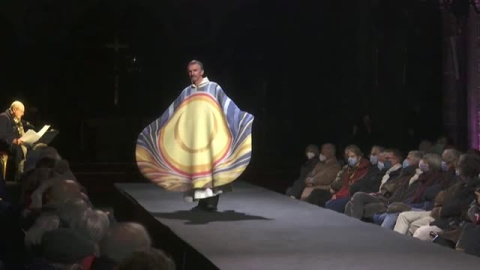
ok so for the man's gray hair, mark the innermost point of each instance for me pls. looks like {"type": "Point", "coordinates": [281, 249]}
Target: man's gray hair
{"type": "Point", "coordinates": [71, 211]}
{"type": "Point", "coordinates": [434, 161]}
{"type": "Point", "coordinates": [452, 155]}
{"type": "Point", "coordinates": [93, 225]}
{"type": "Point", "coordinates": [193, 62]}
{"type": "Point", "coordinates": [416, 155]}
{"type": "Point", "coordinates": [123, 239]}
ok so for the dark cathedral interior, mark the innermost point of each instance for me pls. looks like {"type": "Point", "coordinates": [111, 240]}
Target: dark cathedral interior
{"type": "Point", "coordinates": [358, 72]}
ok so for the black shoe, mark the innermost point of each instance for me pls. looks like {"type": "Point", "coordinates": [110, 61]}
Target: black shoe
{"type": "Point", "coordinates": [208, 204]}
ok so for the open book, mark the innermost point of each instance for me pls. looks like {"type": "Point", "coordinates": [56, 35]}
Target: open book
{"type": "Point", "coordinates": [31, 137]}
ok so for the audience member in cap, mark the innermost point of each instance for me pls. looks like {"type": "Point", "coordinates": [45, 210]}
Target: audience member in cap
{"type": "Point", "coordinates": [65, 248]}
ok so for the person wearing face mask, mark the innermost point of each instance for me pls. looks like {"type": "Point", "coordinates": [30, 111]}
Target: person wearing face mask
{"type": "Point", "coordinates": [369, 189]}
{"type": "Point", "coordinates": [450, 210]}
{"type": "Point", "coordinates": [375, 154]}
{"type": "Point", "coordinates": [411, 195]}
{"type": "Point", "coordinates": [356, 168]}
{"type": "Point", "coordinates": [408, 222]}
{"type": "Point", "coordinates": [323, 174]}
{"type": "Point", "coordinates": [450, 159]}
{"type": "Point", "coordinates": [388, 167]}
{"type": "Point", "coordinates": [374, 205]}
{"type": "Point", "coordinates": [312, 155]}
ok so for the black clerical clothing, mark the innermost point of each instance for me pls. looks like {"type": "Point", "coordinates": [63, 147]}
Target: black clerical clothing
{"type": "Point", "coordinates": [9, 130]}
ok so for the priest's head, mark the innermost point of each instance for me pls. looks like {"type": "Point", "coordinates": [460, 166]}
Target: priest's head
{"type": "Point", "coordinates": [195, 71]}
{"type": "Point", "coordinates": [17, 109]}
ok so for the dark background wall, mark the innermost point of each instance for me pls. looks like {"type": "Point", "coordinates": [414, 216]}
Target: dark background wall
{"type": "Point", "coordinates": [307, 70]}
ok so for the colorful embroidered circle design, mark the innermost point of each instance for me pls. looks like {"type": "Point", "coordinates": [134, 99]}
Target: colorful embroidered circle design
{"type": "Point", "coordinates": [196, 137]}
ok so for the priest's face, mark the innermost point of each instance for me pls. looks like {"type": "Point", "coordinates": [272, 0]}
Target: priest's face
{"type": "Point", "coordinates": [195, 72]}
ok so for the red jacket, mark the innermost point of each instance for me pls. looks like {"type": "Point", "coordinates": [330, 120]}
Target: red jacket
{"type": "Point", "coordinates": [352, 176]}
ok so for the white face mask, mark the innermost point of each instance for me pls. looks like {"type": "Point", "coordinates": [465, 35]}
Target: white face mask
{"type": "Point", "coordinates": [310, 155]}
{"type": "Point", "coordinates": [322, 157]}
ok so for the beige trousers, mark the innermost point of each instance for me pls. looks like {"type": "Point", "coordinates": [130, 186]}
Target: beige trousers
{"type": "Point", "coordinates": [408, 222]}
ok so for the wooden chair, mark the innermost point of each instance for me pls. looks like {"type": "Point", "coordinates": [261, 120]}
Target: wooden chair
{"type": "Point", "coordinates": [4, 159]}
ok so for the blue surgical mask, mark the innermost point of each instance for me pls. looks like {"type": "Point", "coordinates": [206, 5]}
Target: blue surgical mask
{"type": "Point", "coordinates": [373, 159]}
{"type": "Point", "coordinates": [388, 164]}
{"type": "Point", "coordinates": [405, 164]}
{"type": "Point", "coordinates": [380, 165]}
{"type": "Point", "coordinates": [457, 172]}
{"type": "Point", "coordinates": [444, 166]}
{"type": "Point", "coordinates": [352, 161]}
{"type": "Point", "coordinates": [322, 157]}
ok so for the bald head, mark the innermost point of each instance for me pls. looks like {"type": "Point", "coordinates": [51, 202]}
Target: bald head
{"type": "Point", "coordinates": [18, 109]}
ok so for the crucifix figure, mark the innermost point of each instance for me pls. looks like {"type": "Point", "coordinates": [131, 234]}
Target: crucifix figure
{"type": "Point", "coordinates": [116, 46]}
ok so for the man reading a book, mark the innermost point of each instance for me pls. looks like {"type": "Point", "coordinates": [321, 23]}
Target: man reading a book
{"type": "Point", "coordinates": [11, 130]}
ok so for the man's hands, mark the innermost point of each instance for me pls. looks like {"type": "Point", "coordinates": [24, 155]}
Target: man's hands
{"type": "Point", "coordinates": [309, 182]}
{"type": "Point", "coordinates": [17, 141]}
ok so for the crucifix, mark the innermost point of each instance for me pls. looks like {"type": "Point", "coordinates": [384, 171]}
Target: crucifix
{"type": "Point", "coordinates": [116, 46]}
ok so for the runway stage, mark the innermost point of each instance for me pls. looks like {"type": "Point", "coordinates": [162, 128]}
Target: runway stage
{"type": "Point", "coordinates": [259, 229]}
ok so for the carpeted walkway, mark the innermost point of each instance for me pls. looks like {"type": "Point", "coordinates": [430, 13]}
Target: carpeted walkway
{"type": "Point", "coordinates": [259, 229]}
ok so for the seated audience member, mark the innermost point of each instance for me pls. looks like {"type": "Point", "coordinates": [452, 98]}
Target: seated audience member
{"type": "Point", "coordinates": [324, 172]}
{"type": "Point", "coordinates": [376, 154]}
{"type": "Point", "coordinates": [149, 259]}
{"type": "Point", "coordinates": [52, 196]}
{"type": "Point", "coordinates": [64, 249]}
{"type": "Point", "coordinates": [356, 169]}
{"type": "Point", "coordinates": [320, 196]}
{"type": "Point", "coordinates": [440, 145]}
{"type": "Point", "coordinates": [66, 214]}
{"type": "Point", "coordinates": [371, 205]}
{"type": "Point", "coordinates": [47, 171]}
{"type": "Point", "coordinates": [450, 216]}
{"type": "Point", "coordinates": [436, 195]}
{"type": "Point", "coordinates": [121, 241]}
{"type": "Point", "coordinates": [390, 174]}
{"type": "Point", "coordinates": [410, 194]}
{"type": "Point", "coordinates": [375, 171]}
{"type": "Point", "coordinates": [41, 157]}
{"type": "Point", "coordinates": [377, 176]}
{"type": "Point", "coordinates": [450, 159]}
{"type": "Point", "coordinates": [425, 147]}
{"type": "Point", "coordinates": [470, 239]}
{"type": "Point", "coordinates": [93, 225]}
{"type": "Point", "coordinates": [56, 191]}
{"type": "Point", "coordinates": [311, 152]}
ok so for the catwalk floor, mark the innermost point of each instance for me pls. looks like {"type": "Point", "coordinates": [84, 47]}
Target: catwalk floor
{"type": "Point", "coordinates": [259, 229]}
